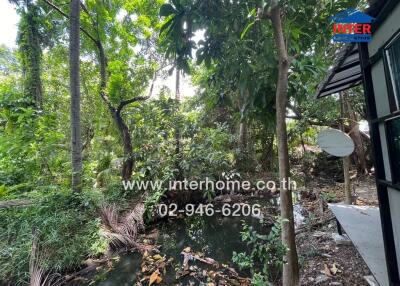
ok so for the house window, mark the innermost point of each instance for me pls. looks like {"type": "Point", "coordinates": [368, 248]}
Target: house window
{"type": "Point", "coordinates": [393, 137]}
{"type": "Point", "coordinates": [393, 62]}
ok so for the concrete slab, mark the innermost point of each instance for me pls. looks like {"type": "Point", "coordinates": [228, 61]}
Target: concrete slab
{"type": "Point", "coordinates": [371, 280]}
{"type": "Point", "coordinates": [341, 239]}
{"type": "Point", "coordinates": [363, 226]}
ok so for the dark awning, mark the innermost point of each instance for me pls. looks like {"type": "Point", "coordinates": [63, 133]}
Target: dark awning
{"type": "Point", "coordinates": [346, 72]}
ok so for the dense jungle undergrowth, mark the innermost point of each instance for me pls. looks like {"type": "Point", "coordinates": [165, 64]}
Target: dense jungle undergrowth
{"type": "Point", "coordinates": [165, 91]}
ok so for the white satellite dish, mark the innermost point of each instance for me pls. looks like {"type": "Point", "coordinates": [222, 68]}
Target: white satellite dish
{"type": "Point", "coordinates": [335, 142]}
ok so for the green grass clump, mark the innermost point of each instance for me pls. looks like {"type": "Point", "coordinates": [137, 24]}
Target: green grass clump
{"type": "Point", "coordinates": [68, 228]}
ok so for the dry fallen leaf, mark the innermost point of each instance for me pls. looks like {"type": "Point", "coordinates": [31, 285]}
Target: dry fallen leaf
{"type": "Point", "coordinates": [334, 269]}
{"type": "Point", "coordinates": [327, 271]}
{"type": "Point", "coordinates": [155, 278]}
{"type": "Point", "coordinates": [187, 249]}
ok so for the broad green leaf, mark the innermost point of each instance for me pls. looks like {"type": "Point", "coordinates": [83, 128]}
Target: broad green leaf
{"type": "Point", "coordinates": [248, 27]}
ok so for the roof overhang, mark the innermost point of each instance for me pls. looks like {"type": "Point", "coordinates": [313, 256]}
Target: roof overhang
{"type": "Point", "coordinates": [346, 72]}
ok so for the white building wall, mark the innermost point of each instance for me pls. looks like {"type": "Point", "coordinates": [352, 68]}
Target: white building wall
{"type": "Point", "coordinates": [380, 91]}
{"type": "Point", "coordinates": [379, 38]}
{"type": "Point", "coordinates": [385, 31]}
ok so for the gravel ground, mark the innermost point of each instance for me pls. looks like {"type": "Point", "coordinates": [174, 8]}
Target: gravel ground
{"type": "Point", "coordinates": [318, 252]}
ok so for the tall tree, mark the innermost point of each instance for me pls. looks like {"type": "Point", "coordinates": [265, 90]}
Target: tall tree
{"type": "Point", "coordinates": [278, 47]}
{"type": "Point", "coordinates": [124, 73]}
{"type": "Point", "coordinates": [355, 134]}
{"type": "Point", "coordinates": [176, 36]}
{"type": "Point", "coordinates": [74, 48]}
{"type": "Point", "coordinates": [179, 175]}
{"type": "Point", "coordinates": [292, 41]}
{"type": "Point", "coordinates": [346, 160]}
{"type": "Point", "coordinates": [29, 43]}
{"type": "Point", "coordinates": [290, 268]}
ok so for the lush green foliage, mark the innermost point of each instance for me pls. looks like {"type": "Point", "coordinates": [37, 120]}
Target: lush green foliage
{"type": "Point", "coordinates": [227, 126]}
{"type": "Point", "coordinates": [67, 228]}
{"type": "Point", "coordinates": [265, 259]}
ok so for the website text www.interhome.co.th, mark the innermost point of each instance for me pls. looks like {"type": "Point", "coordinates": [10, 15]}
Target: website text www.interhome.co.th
{"type": "Point", "coordinates": [210, 185]}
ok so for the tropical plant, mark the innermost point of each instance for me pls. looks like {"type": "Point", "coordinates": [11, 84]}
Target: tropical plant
{"type": "Point", "coordinates": [266, 257]}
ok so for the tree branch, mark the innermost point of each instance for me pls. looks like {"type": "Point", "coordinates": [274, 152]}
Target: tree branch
{"type": "Point", "coordinates": [67, 16]}
{"type": "Point", "coordinates": [85, 9]}
{"type": "Point", "coordinates": [332, 124]}
{"type": "Point", "coordinates": [295, 110]}
{"type": "Point", "coordinates": [129, 101]}
{"type": "Point", "coordinates": [292, 58]}
{"type": "Point", "coordinates": [94, 23]}
{"type": "Point", "coordinates": [102, 60]}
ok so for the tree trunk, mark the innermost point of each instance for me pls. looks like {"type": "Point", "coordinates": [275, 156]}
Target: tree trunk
{"type": "Point", "coordinates": [177, 85]}
{"type": "Point", "coordinates": [347, 185]}
{"type": "Point", "coordinates": [243, 136]}
{"type": "Point", "coordinates": [359, 148]}
{"type": "Point", "coordinates": [177, 128]}
{"type": "Point", "coordinates": [290, 275]}
{"type": "Point", "coordinates": [76, 144]}
{"type": "Point", "coordinates": [242, 160]}
{"type": "Point", "coordinates": [243, 125]}
{"type": "Point", "coordinates": [356, 136]}
{"type": "Point", "coordinates": [346, 160]}
{"type": "Point", "coordinates": [127, 165]}
{"type": "Point", "coordinates": [115, 112]}
{"type": "Point", "coordinates": [31, 54]}
{"type": "Point", "coordinates": [268, 152]}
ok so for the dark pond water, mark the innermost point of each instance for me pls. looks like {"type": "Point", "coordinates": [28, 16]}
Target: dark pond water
{"type": "Point", "coordinates": [216, 236]}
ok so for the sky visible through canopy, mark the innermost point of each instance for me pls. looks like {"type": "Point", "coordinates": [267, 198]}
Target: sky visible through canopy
{"type": "Point", "coordinates": [9, 22]}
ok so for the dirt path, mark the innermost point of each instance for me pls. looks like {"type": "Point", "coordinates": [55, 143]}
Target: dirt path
{"type": "Point", "coordinates": [322, 261]}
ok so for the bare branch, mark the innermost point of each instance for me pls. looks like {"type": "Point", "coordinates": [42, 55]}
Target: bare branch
{"type": "Point", "coordinates": [85, 9]}
{"type": "Point", "coordinates": [294, 57]}
{"type": "Point", "coordinates": [295, 110]}
{"type": "Point", "coordinates": [129, 101]}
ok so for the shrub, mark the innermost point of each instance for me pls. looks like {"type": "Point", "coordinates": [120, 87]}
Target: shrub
{"type": "Point", "coordinates": [265, 259]}
{"type": "Point", "coordinates": [68, 232]}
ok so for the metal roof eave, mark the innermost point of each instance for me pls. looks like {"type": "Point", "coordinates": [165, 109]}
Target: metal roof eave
{"type": "Point", "coordinates": [346, 72]}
